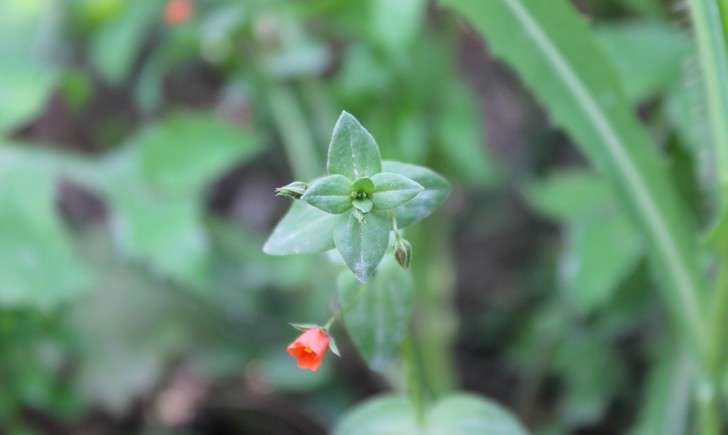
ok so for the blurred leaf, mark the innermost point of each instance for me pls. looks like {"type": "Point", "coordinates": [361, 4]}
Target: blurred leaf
{"type": "Point", "coordinates": [396, 24]}
{"type": "Point", "coordinates": [131, 327]}
{"type": "Point", "coordinates": [602, 247]}
{"type": "Point", "coordinates": [556, 54]}
{"type": "Point", "coordinates": [462, 139]}
{"type": "Point", "coordinates": [363, 244]}
{"type": "Point", "coordinates": [460, 414]}
{"type": "Point", "coordinates": [165, 233]}
{"type": "Point", "coordinates": [377, 314]}
{"type": "Point", "coordinates": [362, 74]}
{"type": "Point", "coordinates": [648, 55]}
{"type": "Point", "coordinates": [426, 202]}
{"type": "Point", "coordinates": [26, 80]}
{"type": "Point", "coordinates": [592, 374]}
{"type": "Point", "coordinates": [600, 254]}
{"type": "Point", "coordinates": [685, 110]}
{"type": "Point", "coordinates": [117, 43]}
{"type": "Point", "coordinates": [303, 230]}
{"type": "Point", "coordinates": [38, 262]}
{"type": "Point", "coordinates": [570, 194]}
{"type": "Point", "coordinates": [186, 150]}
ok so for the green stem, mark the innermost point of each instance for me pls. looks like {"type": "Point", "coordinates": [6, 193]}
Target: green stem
{"type": "Point", "coordinates": [301, 151]}
{"type": "Point", "coordinates": [710, 36]}
{"type": "Point", "coordinates": [708, 24]}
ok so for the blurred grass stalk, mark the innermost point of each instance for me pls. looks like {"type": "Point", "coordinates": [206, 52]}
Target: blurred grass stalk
{"type": "Point", "coordinates": [710, 19]}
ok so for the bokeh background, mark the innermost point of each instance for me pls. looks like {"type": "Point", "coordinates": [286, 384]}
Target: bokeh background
{"type": "Point", "coordinates": [140, 143]}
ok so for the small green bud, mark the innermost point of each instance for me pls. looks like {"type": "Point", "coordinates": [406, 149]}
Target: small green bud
{"type": "Point", "coordinates": [403, 252]}
{"type": "Point", "coordinates": [294, 190]}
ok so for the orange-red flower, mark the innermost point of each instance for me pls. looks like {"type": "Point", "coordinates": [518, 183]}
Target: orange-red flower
{"type": "Point", "coordinates": [309, 348]}
{"type": "Point", "coordinates": [177, 11]}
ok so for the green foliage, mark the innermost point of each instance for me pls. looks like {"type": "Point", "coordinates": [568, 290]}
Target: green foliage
{"type": "Point", "coordinates": [454, 415]}
{"type": "Point", "coordinates": [363, 243]}
{"type": "Point", "coordinates": [392, 190]}
{"type": "Point", "coordinates": [26, 80]}
{"type": "Point", "coordinates": [38, 262]}
{"type": "Point", "coordinates": [332, 194]}
{"type": "Point", "coordinates": [602, 247]}
{"type": "Point", "coordinates": [379, 200]}
{"type": "Point", "coordinates": [377, 313]}
{"type": "Point", "coordinates": [303, 230]}
{"type": "Point", "coordinates": [186, 150]}
{"type": "Point", "coordinates": [648, 55]}
{"type": "Point", "coordinates": [557, 55]}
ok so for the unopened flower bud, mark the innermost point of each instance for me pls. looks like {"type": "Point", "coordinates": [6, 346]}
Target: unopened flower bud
{"type": "Point", "coordinates": [403, 253]}
{"type": "Point", "coordinates": [294, 190]}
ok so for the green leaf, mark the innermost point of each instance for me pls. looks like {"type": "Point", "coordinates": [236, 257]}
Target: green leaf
{"type": "Point", "coordinates": [648, 55]}
{"type": "Point", "coordinates": [555, 53]}
{"type": "Point", "coordinates": [303, 230]}
{"type": "Point", "coordinates": [38, 262]}
{"type": "Point", "coordinates": [592, 373]}
{"type": "Point", "coordinates": [377, 314]}
{"type": "Point", "coordinates": [165, 233]}
{"type": "Point", "coordinates": [26, 80]}
{"type": "Point", "coordinates": [392, 190]}
{"type": "Point", "coordinates": [353, 152]}
{"type": "Point", "coordinates": [601, 252]}
{"type": "Point", "coordinates": [602, 246]}
{"type": "Point", "coordinates": [570, 194]}
{"type": "Point", "coordinates": [186, 150]}
{"type": "Point", "coordinates": [458, 414]}
{"type": "Point", "coordinates": [436, 189]}
{"type": "Point", "coordinates": [331, 194]}
{"type": "Point", "coordinates": [396, 24]}
{"type": "Point", "coordinates": [362, 244]}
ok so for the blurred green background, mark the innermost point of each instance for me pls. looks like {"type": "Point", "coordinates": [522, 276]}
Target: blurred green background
{"type": "Point", "coordinates": [140, 143]}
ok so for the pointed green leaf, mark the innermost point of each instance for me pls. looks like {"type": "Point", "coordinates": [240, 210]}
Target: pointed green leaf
{"type": "Point", "coordinates": [363, 244]}
{"type": "Point", "coordinates": [457, 414]}
{"type": "Point", "coordinates": [377, 314]}
{"type": "Point", "coordinates": [331, 194]}
{"type": "Point", "coordinates": [392, 190]}
{"type": "Point", "coordinates": [303, 230]}
{"type": "Point", "coordinates": [436, 189]}
{"type": "Point", "coordinates": [353, 152]}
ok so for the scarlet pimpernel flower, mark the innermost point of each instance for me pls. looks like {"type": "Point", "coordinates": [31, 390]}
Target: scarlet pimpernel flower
{"type": "Point", "coordinates": [310, 348]}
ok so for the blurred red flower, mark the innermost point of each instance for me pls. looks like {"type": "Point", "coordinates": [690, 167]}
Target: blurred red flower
{"type": "Point", "coordinates": [178, 11]}
{"type": "Point", "coordinates": [309, 348]}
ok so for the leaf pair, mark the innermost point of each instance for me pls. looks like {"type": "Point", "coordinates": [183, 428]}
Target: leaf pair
{"type": "Point", "coordinates": [337, 194]}
{"type": "Point", "coordinates": [353, 207]}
